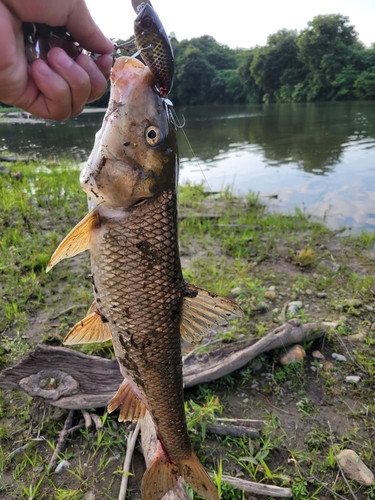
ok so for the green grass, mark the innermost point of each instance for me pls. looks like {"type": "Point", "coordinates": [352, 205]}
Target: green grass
{"type": "Point", "coordinates": [229, 246]}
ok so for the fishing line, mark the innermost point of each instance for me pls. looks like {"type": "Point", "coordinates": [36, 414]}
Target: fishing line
{"type": "Point", "coordinates": [177, 123]}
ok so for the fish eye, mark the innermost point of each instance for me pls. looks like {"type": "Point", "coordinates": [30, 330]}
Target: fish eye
{"type": "Point", "coordinates": [146, 22]}
{"type": "Point", "coordinates": [153, 135]}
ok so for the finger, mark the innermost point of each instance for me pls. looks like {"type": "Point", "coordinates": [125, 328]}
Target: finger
{"type": "Point", "coordinates": [74, 75]}
{"type": "Point", "coordinates": [98, 80]}
{"type": "Point", "coordinates": [53, 100]}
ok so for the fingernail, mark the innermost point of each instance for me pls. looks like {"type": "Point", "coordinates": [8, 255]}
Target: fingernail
{"type": "Point", "coordinates": [63, 60]}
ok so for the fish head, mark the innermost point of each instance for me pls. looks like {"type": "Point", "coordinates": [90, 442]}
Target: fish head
{"type": "Point", "coordinates": [135, 155]}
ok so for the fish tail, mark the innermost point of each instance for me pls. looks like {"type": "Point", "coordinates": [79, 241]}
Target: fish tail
{"type": "Point", "coordinates": [162, 475]}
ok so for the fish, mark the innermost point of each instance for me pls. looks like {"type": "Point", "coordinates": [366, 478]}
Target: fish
{"type": "Point", "coordinates": [142, 303]}
{"type": "Point", "coordinates": [156, 50]}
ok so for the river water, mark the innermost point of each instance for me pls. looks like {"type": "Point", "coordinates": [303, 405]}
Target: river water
{"type": "Point", "coordinates": [319, 157]}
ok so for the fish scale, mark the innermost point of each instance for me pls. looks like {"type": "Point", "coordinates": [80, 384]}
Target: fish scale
{"type": "Point", "coordinates": [136, 254]}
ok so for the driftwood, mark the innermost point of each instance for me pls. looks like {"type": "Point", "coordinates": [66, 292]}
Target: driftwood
{"type": "Point", "coordinates": [13, 159]}
{"type": "Point", "coordinates": [75, 381]}
{"type": "Point", "coordinates": [69, 379]}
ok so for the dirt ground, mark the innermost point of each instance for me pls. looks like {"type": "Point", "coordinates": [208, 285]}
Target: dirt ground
{"type": "Point", "coordinates": [307, 411]}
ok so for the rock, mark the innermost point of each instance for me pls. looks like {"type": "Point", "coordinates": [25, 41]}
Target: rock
{"type": "Point", "coordinates": [308, 291]}
{"type": "Point", "coordinates": [373, 327]}
{"type": "Point", "coordinates": [294, 354]}
{"type": "Point", "coordinates": [236, 291]}
{"type": "Point", "coordinates": [368, 308]}
{"type": "Point", "coordinates": [271, 288]}
{"type": "Point", "coordinates": [275, 311]}
{"type": "Point", "coordinates": [330, 324]}
{"type": "Point", "coordinates": [317, 355]}
{"type": "Point", "coordinates": [63, 465]}
{"type": "Point", "coordinates": [357, 336]}
{"type": "Point", "coordinates": [333, 266]}
{"type": "Point", "coordinates": [294, 306]}
{"type": "Point", "coordinates": [260, 307]}
{"type": "Point", "coordinates": [89, 495]}
{"type": "Point", "coordinates": [246, 400]}
{"type": "Point", "coordinates": [354, 467]}
{"type": "Point", "coordinates": [327, 366]}
{"type": "Point", "coordinates": [353, 379]}
{"type": "Point", "coordinates": [321, 295]}
{"type": "Point", "coordinates": [338, 357]}
{"type": "Point", "coordinates": [269, 294]}
{"type": "Point", "coordinates": [352, 303]}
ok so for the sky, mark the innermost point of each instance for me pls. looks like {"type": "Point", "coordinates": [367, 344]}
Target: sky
{"type": "Point", "coordinates": [236, 23]}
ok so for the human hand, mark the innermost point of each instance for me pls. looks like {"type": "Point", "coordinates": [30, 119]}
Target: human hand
{"type": "Point", "coordinates": [60, 87]}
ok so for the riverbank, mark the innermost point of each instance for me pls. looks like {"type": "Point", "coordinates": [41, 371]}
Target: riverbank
{"type": "Point", "coordinates": [233, 247]}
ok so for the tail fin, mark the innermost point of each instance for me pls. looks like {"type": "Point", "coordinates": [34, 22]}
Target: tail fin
{"type": "Point", "coordinates": [162, 475]}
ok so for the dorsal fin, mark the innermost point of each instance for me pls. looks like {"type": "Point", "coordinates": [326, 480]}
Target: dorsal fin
{"type": "Point", "coordinates": [93, 328]}
{"type": "Point", "coordinates": [77, 241]}
{"type": "Point", "coordinates": [202, 310]}
{"type": "Point", "coordinates": [132, 407]}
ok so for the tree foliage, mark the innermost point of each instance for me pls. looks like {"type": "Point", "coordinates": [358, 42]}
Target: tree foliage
{"type": "Point", "coordinates": [323, 62]}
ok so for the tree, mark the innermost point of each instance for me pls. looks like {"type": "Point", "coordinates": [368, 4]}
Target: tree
{"type": "Point", "coordinates": [276, 59]}
{"type": "Point", "coordinates": [193, 77]}
{"type": "Point", "coordinates": [324, 49]}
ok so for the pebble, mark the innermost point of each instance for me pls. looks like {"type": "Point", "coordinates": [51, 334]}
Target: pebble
{"type": "Point", "coordinates": [373, 327]}
{"type": "Point", "coordinates": [294, 354]}
{"type": "Point", "coordinates": [236, 291]}
{"type": "Point", "coordinates": [261, 307]}
{"type": "Point", "coordinates": [272, 288]}
{"type": "Point", "coordinates": [333, 266]}
{"type": "Point", "coordinates": [269, 294]}
{"type": "Point", "coordinates": [352, 303]}
{"type": "Point", "coordinates": [327, 366]}
{"type": "Point", "coordinates": [353, 379]}
{"type": "Point", "coordinates": [338, 357]}
{"type": "Point", "coordinates": [317, 355]}
{"type": "Point", "coordinates": [308, 291]}
{"type": "Point", "coordinates": [355, 468]}
{"type": "Point", "coordinates": [330, 324]}
{"type": "Point", "coordinates": [276, 310]}
{"type": "Point", "coordinates": [294, 306]}
{"type": "Point", "coordinates": [63, 465]}
{"type": "Point", "coordinates": [368, 308]}
{"type": "Point", "coordinates": [246, 400]}
{"type": "Point", "coordinates": [90, 495]}
{"type": "Point", "coordinates": [321, 295]}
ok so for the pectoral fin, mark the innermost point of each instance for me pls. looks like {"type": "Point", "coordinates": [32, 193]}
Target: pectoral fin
{"type": "Point", "coordinates": [94, 328]}
{"type": "Point", "coordinates": [132, 407]}
{"type": "Point", "coordinates": [77, 241]}
{"type": "Point", "coordinates": [202, 310]}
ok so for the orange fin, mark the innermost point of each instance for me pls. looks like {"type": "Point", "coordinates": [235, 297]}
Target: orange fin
{"type": "Point", "coordinates": [132, 407]}
{"type": "Point", "coordinates": [202, 310]}
{"type": "Point", "coordinates": [195, 475]}
{"type": "Point", "coordinates": [93, 328]}
{"type": "Point", "coordinates": [162, 475]}
{"type": "Point", "coordinates": [77, 241]}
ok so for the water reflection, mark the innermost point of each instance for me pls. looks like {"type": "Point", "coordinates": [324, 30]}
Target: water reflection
{"type": "Point", "coordinates": [318, 156]}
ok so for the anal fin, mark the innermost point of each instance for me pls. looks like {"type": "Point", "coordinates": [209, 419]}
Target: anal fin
{"type": "Point", "coordinates": [132, 407]}
{"type": "Point", "coordinates": [93, 328]}
{"type": "Point", "coordinates": [77, 241]}
{"type": "Point", "coordinates": [202, 310]}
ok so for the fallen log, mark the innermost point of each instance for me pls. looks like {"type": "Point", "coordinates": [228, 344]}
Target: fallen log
{"type": "Point", "coordinates": [76, 381]}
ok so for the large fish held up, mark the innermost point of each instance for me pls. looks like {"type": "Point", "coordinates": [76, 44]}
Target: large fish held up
{"type": "Point", "coordinates": [142, 302]}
